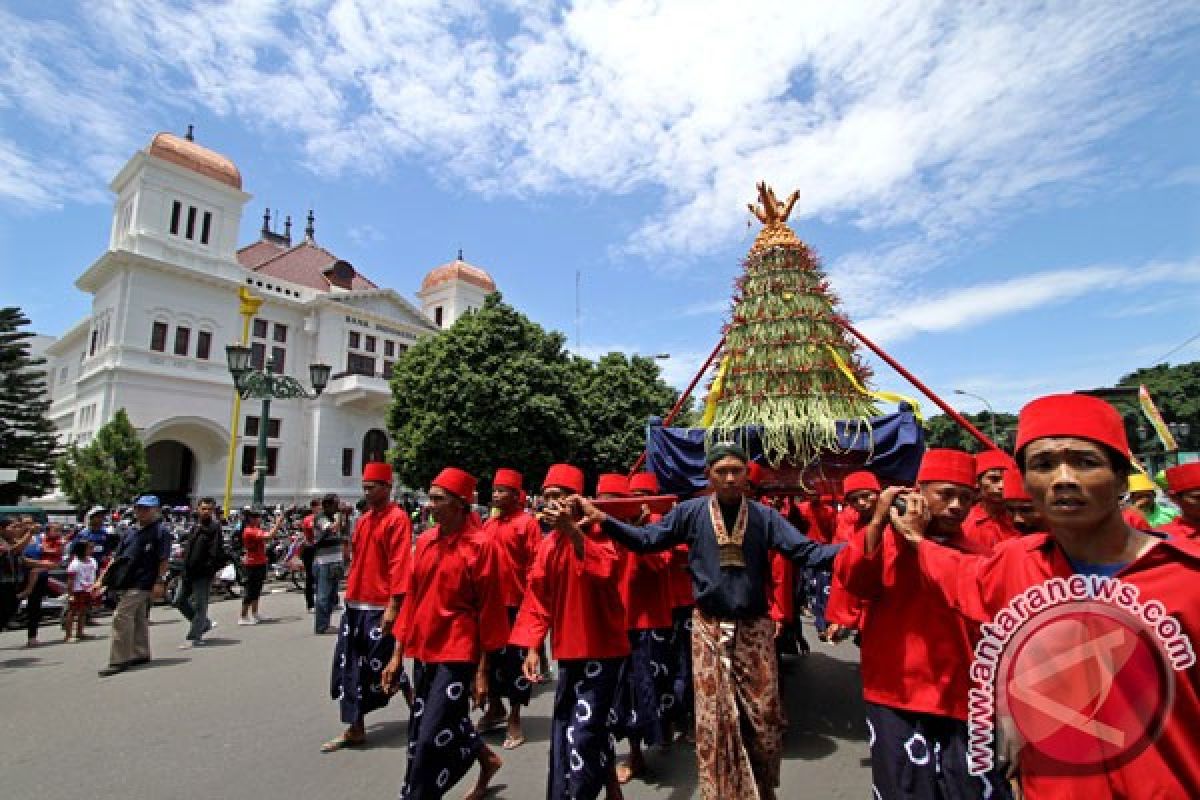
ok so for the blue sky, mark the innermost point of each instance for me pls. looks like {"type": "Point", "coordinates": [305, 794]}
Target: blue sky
{"type": "Point", "coordinates": [1004, 194]}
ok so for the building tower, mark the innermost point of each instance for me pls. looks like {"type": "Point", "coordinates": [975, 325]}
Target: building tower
{"type": "Point", "coordinates": [453, 289]}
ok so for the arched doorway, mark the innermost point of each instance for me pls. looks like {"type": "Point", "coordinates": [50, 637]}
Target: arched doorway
{"type": "Point", "coordinates": [172, 471]}
{"type": "Point", "coordinates": [374, 446]}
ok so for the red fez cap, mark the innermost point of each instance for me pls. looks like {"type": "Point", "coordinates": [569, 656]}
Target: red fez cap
{"type": "Point", "coordinates": [860, 481]}
{"type": "Point", "coordinates": [943, 464]}
{"type": "Point", "coordinates": [377, 472]}
{"type": "Point", "coordinates": [508, 478]}
{"type": "Point", "coordinates": [992, 459]}
{"type": "Point", "coordinates": [612, 483]}
{"type": "Point", "coordinates": [457, 482]}
{"type": "Point", "coordinates": [564, 476]}
{"type": "Point", "coordinates": [1014, 486]}
{"type": "Point", "coordinates": [755, 473]}
{"type": "Point", "coordinates": [644, 482]}
{"type": "Point", "coordinates": [1184, 478]}
{"type": "Point", "coordinates": [1076, 415]}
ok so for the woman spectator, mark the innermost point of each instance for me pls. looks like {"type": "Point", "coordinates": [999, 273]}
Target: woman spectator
{"type": "Point", "coordinates": [254, 544]}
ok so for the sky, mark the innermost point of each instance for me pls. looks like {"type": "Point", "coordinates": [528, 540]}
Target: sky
{"type": "Point", "coordinates": [1006, 195]}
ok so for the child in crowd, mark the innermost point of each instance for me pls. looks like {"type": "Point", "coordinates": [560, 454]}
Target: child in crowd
{"type": "Point", "coordinates": [81, 580]}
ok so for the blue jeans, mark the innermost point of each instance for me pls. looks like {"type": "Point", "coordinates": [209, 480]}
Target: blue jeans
{"type": "Point", "coordinates": [192, 602]}
{"type": "Point", "coordinates": [328, 576]}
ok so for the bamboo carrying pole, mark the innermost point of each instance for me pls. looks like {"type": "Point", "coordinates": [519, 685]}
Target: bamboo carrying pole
{"type": "Point", "coordinates": [925, 390]}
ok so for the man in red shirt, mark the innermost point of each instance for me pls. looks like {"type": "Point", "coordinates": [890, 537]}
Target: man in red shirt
{"type": "Point", "coordinates": [987, 522]}
{"type": "Point", "coordinates": [573, 595]}
{"type": "Point", "coordinates": [374, 596]}
{"type": "Point", "coordinates": [1183, 487]}
{"type": "Point", "coordinates": [454, 616]}
{"type": "Point", "coordinates": [307, 550]}
{"type": "Point", "coordinates": [1088, 652]}
{"type": "Point", "coordinates": [861, 492]}
{"type": "Point", "coordinates": [916, 651]}
{"type": "Point", "coordinates": [678, 705]}
{"type": "Point", "coordinates": [646, 595]}
{"type": "Point", "coordinates": [516, 534]}
{"type": "Point", "coordinates": [1024, 515]}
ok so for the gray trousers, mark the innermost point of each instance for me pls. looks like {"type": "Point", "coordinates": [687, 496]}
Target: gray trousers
{"type": "Point", "coordinates": [130, 627]}
{"type": "Point", "coordinates": [193, 604]}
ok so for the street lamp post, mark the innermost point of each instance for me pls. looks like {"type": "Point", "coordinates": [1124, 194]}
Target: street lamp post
{"type": "Point", "coordinates": [265, 385]}
{"type": "Point", "coordinates": [988, 406]}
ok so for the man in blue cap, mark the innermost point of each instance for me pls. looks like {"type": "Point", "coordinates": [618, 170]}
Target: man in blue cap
{"type": "Point", "coordinates": [137, 567]}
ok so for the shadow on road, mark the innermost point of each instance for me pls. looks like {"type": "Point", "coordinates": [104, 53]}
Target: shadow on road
{"type": "Point", "coordinates": [21, 663]}
{"type": "Point", "coordinates": [392, 734]}
{"type": "Point", "coordinates": [817, 724]}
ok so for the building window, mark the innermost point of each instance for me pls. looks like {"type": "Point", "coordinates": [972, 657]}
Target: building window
{"type": "Point", "coordinates": [95, 336]}
{"type": "Point", "coordinates": [176, 209]}
{"type": "Point", "coordinates": [347, 462]}
{"type": "Point", "coordinates": [437, 316]}
{"type": "Point", "coordinates": [369, 344]}
{"type": "Point", "coordinates": [203, 344]}
{"type": "Point", "coordinates": [258, 355]}
{"type": "Point", "coordinates": [248, 452]}
{"type": "Point", "coordinates": [387, 369]}
{"type": "Point", "coordinates": [158, 337]}
{"type": "Point", "coordinates": [374, 446]}
{"type": "Point", "coordinates": [278, 354]}
{"type": "Point", "coordinates": [191, 223]}
{"type": "Point", "coordinates": [206, 227]}
{"type": "Point", "coordinates": [273, 427]}
{"type": "Point", "coordinates": [260, 329]}
{"type": "Point", "coordinates": [389, 348]}
{"type": "Point", "coordinates": [357, 364]}
{"type": "Point", "coordinates": [355, 340]}
{"type": "Point", "coordinates": [280, 333]}
{"type": "Point", "coordinates": [183, 338]}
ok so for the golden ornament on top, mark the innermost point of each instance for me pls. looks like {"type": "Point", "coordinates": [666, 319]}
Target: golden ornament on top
{"type": "Point", "coordinates": [773, 215]}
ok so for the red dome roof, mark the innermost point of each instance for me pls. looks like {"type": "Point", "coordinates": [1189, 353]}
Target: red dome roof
{"type": "Point", "coordinates": [458, 270]}
{"type": "Point", "coordinates": [190, 155]}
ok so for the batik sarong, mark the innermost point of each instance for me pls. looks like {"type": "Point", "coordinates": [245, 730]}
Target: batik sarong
{"type": "Point", "coordinates": [505, 675]}
{"type": "Point", "coordinates": [581, 740]}
{"type": "Point", "coordinates": [363, 650]}
{"type": "Point", "coordinates": [739, 730]}
{"type": "Point", "coordinates": [924, 757]}
{"type": "Point", "coordinates": [681, 669]}
{"type": "Point", "coordinates": [646, 691]}
{"type": "Point", "coordinates": [817, 583]}
{"type": "Point", "coordinates": [442, 742]}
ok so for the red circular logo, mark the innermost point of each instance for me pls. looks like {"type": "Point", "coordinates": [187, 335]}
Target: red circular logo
{"type": "Point", "coordinates": [1086, 687]}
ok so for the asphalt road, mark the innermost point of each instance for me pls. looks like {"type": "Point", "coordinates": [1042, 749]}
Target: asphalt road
{"type": "Point", "coordinates": [245, 716]}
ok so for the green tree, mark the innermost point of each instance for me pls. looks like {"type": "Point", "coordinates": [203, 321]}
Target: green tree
{"type": "Point", "coordinates": [617, 395]}
{"type": "Point", "coordinates": [942, 431]}
{"type": "Point", "coordinates": [110, 470]}
{"type": "Point", "coordinates": [493, 390]}
{"type": "Point", "coordinates": [28, 440]}
{"type": "Point", "coordinates": [1176, 392]}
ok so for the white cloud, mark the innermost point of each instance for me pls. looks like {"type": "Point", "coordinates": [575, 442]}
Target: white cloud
{"type": "Point", "coordinates": [970, 306]}
{"type": "Point", "coordinates": [927, 118]}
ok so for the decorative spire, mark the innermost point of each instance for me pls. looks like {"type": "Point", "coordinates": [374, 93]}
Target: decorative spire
{"type": "Point", "coordinates": [311, 230]}
{"type": "Point", "coordinates": [190, 136]}
{"type": "Point", "coordinates": [460, 254]}
{"type": "Point", "coordinates": [773, 215]}
{"type": "Point", "coordinates": [266, 228]}
{"type": "Point", "coordinates": [287, 229]}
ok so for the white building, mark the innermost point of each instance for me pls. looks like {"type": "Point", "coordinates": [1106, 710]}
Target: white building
{"type": "Point", "coordinates": [165, 304]}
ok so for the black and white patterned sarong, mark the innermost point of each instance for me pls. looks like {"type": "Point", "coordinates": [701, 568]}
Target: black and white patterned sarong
{"type": "Point", "coordinates": [818, 582]}
{"type": "Point", "coordinates": [363, 650]}
{"type": "Point", "coordinates": [581, 741]}
{"type": "Point", "coordinates": [924, 757]}
{"type": "Point", "coordinates": [681, 669]}
{"type": "Point", "coordinates": [442, 742]}
{"type": "Point", "coordinates": [646, 695]}
{"type": "Point", "coordinates": [505, 676]}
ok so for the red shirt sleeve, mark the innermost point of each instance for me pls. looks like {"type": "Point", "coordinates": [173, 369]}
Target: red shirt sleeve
{"type": "Point", "coordinates": [399, 554]}
{"type": "Point", "coordinates": [780, 598]}
{"type": "Point", "coordinates": [533, 618]}
{"type": "Point", "coordinates": [599, 558]}
{"type": "Point", "coordinates": [493, 616]}
{"type": "Point", "coordinates": [860, 573]}
{"type": "Point", "coordinates": [957, 576]}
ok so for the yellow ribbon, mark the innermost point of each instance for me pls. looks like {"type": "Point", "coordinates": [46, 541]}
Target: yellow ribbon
{"type": "Point", "coordinates": [714, 394]}
{"type": "Point", "coordinates": [892, 398]}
